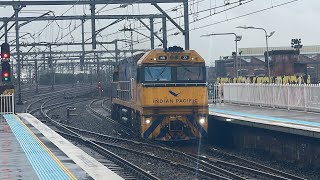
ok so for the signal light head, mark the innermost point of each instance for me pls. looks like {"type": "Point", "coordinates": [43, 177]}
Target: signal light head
{"type": "Point", "coordinates": [5, 76]}
{"type": "Point", "coordinates": [5, 50]}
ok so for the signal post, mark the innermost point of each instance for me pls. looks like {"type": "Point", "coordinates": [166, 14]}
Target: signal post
{"type": "Point", "coordinates": [7, 87]}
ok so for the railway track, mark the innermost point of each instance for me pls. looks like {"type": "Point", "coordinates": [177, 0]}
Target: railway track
{"type": "Point", "coordinates": [36, 99]}
{"type": "Point", "coordinates": [145, 160]}
{"type": "Point", "coordinates": [107, 141]}
{"type": "Point", "coordinates": [103, 113]}
{"type": "Point", "coordinates": [231, 166]}
{"type": "Point", "coordinates": [113, 161]}
{"type": "Point", "coordinates": [227, 159]}
{"type": "Point", "coordinates": [29, 93]}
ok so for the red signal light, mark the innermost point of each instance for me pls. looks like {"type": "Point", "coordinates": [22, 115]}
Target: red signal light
{"type": "Point", "coordinates": [4, 55]}
{"type": "Point", "coordinates": [5, 74]}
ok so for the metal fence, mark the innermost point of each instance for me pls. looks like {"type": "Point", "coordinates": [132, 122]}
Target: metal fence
{"type": "Point", "coordinates": [299, 97]}
{"type": "Point", "coordinates": [7, 104]}
{"type": "Point", "coordinates": [215, 93]}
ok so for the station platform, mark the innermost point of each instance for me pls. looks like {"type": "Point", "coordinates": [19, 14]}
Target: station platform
{"type": "Point", "coordinates": [31, 150]}
{"type": "Point", "coordinates": [293, 122]}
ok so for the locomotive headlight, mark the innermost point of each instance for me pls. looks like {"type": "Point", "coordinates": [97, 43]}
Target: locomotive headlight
{"type": "Point", "coordinates": [148, 121]}
{"type": "Point", "coordinates": [202, 120]}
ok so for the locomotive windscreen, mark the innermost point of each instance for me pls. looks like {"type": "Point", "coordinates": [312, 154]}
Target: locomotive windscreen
{"type": "Point", "coordinates": [192, 73]}
{"type": "Point", "coordinates": [174, 74]}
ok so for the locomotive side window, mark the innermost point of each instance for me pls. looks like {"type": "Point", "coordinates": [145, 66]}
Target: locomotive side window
{"type": "Point", "coordinates": [191, 73]}
{"type": "Point", "coordinates": [157, 73]}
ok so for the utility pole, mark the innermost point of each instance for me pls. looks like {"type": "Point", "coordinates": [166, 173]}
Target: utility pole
{"type": "Point", "coordinates": [83, 48]}
{"type": "Point", "coordinates": [36, 75]}
{"type": "Point", "coordinates": [131, 43]}
{"type": "Point", "coordinates": [237, 39]}
{"type": "Point", "coordinates": [152, 32]}
{"type": "Point", "coordinates": [240, 64]}
{"type": "Point", "coordinates": [98, 66]}
{"type": "Point", "coordinates": [117, 53]}
{"type": "Point", "coordinates": [52, 70]}
{"type": "Point", "coordinates": [164, 33]}
{"type": "Point", "coordinates": [16, 11]}
{"type": "Point", "coordinates": [6, 32]}
{"type": "Point", "coordinates": [93, 23]}
{"type": "Point", "coordinates": [186, 25]}
{"type": "Point", "coordinates": [267, 37]}
{"type": "Point", "coordinates": [236, 58]}
{"type": "Point", "coordinates": [74, 78]}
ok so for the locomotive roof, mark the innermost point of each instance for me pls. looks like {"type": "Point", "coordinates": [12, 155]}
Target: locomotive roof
{"type": "Point", "coordinates": [134, 58]}
{"type": "Point", "coordinates": [152, 57]}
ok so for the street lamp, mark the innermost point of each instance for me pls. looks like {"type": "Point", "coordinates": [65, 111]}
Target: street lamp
{"type": "Point", "coordinates": [240, 53]}
{"type": "Point", "coordinates": [267, 37]}
{"type": "Point", "coordinates": [237, 38]}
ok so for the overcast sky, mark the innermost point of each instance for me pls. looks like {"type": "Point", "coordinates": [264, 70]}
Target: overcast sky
{"type": "Point", "coordinates": [298, 19]}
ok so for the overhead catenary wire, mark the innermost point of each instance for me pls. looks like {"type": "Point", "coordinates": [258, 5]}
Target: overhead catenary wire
{"type": "Point", "coordinates": [37, 34]}
{"type": "Point", "coordinates": [143, 40]}
{"type": "Point", "coordinates": [254, 12]}
{"type": "Point", "coordinates": [76, 27]}
{"type": "Point", "coordinates": [220, 6]}
{"type": "Point", "coordinates": [192, 29]}
{"type": "Point", "coordinates": [155, 23]}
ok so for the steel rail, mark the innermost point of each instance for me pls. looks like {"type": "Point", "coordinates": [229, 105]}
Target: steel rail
{"type": "Point", "coordinates": [144, 174]}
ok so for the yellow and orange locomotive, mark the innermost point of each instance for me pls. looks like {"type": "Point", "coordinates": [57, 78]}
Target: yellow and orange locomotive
{"type": "Point", "coordinates": [162, 94]}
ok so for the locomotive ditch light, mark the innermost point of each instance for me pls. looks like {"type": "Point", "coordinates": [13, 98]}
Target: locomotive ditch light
{"type": "Point", "coordinates": [202, 120]}
{"type": "Point", "coordinates": [228, 120]}
{"type": "Point", "coordinates": [148, 121]}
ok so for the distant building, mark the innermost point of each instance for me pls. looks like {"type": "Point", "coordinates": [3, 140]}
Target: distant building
{"type": "Point", "coordinates": [283, 61]}
{"type": "Point", "coordinates": [259, 51]}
